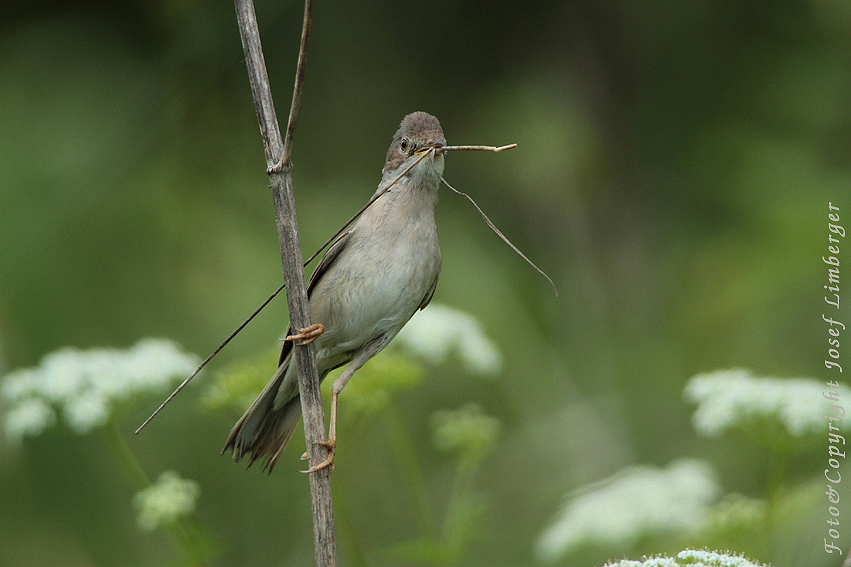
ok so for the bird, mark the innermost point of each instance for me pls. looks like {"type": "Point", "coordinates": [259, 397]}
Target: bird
{"type": "Point", "coordinates": [367, 286]}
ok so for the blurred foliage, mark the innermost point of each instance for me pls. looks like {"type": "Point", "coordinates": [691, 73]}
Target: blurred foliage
{"type": "Point", "coordinates": [672, 175]}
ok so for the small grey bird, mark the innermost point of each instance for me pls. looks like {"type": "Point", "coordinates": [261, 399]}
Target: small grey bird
{"type": "Point", "coordinates": [367, 286]}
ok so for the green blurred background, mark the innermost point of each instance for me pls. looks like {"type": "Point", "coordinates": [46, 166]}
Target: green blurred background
{"type": "Point", "coordinates": [674, 165]}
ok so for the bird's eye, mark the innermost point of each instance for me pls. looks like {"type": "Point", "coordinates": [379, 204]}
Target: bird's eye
{"type": "Point", "coordinates": [404, 144]}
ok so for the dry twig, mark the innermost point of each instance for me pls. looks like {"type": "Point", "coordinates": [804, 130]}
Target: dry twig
{"type": "Point", "coordinates": [483, 148]}
{"type": "Point", "coordinates": [279, 167]}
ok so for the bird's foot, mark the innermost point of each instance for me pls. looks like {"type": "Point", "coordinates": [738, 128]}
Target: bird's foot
{"type": "Point", "coordinates": [308, 334]}
{"type": "Point", "coordinates": [330, 444]}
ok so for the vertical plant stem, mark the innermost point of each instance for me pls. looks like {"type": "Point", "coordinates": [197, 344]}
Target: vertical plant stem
{"type": "Point", "coordinates": [347, 532]}
{"type": "Point", "coordinates": [453, 535]}
{"type": "Point", "coordinates": [131, 467]}
{"type": "Point", "coordinates": [775, 487]}
{"type": "Point", "coordinates": [186, 533]}
{"type": "Point", "coordinates": [412, 475]}
{"type": "Point", "coordinates": [279, 168]}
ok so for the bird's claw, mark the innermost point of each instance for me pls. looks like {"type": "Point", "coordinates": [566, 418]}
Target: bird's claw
{"type": "Point", "coordinates": [308, 334]}
{"type": "Point", "coordinates": [328, 463]}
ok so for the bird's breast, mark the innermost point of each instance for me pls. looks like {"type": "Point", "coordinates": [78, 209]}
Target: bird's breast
{"type": "Point", "coordinates": [376, 284]}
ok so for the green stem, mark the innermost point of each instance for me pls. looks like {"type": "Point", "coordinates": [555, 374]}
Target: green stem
{"type": "Point", "coordinates": [131, 467]}
{"type": "Point", "coordinates": [778, 463]}
{"type": "Point", "coordinates": [346, 529]}
{"type": "Point", "coordinates": [453, 531]}
{"type": "Point", "coordinates": [185, 532]}
{"type": "Point", "coordinates": [411, 471]}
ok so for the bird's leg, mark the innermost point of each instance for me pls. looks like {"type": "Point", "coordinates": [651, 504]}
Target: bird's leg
{"type": "Point", "coordinates": [368, 351]}
{"type": "Point", "coordinates": [331, 443]}
{"type": "Point", "coordinates": [308, 334]}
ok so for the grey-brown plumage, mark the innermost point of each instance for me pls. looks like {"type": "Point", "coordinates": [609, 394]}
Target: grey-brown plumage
{"type": "Point", "coordinates": [367, 286]}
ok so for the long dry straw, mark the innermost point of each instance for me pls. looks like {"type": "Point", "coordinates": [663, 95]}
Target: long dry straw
{"type": "Point", "coordinates": [431, 152]}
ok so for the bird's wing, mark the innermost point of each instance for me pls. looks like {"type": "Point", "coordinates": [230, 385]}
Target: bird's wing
{"type": "Point", "coordinates": [327, 260]}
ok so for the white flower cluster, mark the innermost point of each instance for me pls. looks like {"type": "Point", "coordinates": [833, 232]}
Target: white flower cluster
{"type": "Point", "coordinates": [165, 501]}
{"type": "Point", "coordinates": [636, 502]}
{"type": "Point", "coordinates": [691, 558]}
{"type": "Point", "coordinates": [85, 385]}
{"type": "Point", "coordinates": [438, 331]}
{"type": "Point", "coordinates": [730, 398]}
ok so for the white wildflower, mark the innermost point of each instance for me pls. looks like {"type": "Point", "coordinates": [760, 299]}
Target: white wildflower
{"type": "Point", "coordinates": [28, 418]}
{"type": "Point", "coordinates": [651, 562]}
{"type": "Point", "coordinates": [165, 501]}
{"type": "Point", "coordinates": [86, 411]}
{"type": "Point", "coordinates": [731, 398]}
{"type": "Point", "coordinates": [691, 558]}
{"type": "Point", "coordinates": [438, 331]}
{"type": "Point", "coordinates": [85, 385]}
{"type": "Point", "coordinates": [636, 502]}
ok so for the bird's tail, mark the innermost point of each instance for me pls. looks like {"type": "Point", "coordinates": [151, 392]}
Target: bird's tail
{"type": "Point", "coordinates": [269, 423]}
